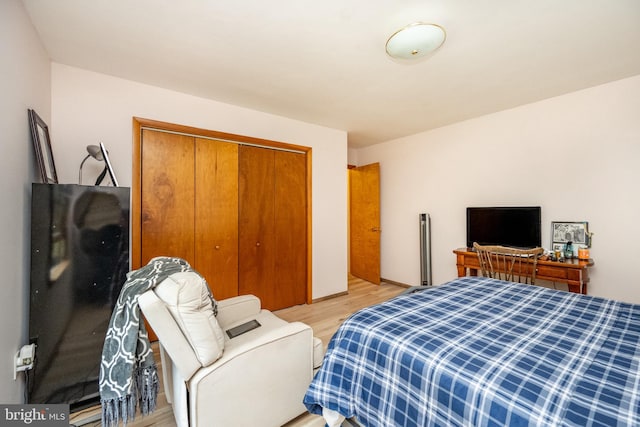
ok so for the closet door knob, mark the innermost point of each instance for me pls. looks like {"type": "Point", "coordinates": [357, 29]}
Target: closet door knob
{"type": "Point", "coordinates": [258, 244]}
{"type": "Point", "coordinates": [217, 247]}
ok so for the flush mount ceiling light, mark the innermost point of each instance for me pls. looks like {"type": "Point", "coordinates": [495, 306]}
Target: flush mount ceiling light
{"type": "Point", "coordinates": [415, 41]}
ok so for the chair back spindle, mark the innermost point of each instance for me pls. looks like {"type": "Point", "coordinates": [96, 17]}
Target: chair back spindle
{"type": "Point", "coordinates": [509, 264]}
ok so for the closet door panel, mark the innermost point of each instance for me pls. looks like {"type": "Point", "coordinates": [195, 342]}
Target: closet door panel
{"type": "Point", "coordinates": [216, 215]}
{"type": "Point", "coordinates": [167, 196]}
{"type": "Point", "coordinates": [256, 224]}
{"type": "Point", "coordinates": [290, 228]}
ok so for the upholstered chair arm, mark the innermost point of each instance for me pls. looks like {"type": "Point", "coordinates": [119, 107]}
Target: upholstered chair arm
{"type": "Point", "coordinates": [234, 309]}
{"type": "Point", "coordinates": [274, 360]}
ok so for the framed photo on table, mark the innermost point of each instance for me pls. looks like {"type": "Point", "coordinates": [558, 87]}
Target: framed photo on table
{"type": "Point", "coordinates": [42, 148]}
{"type": "Point", "coordinates": [574, 232]}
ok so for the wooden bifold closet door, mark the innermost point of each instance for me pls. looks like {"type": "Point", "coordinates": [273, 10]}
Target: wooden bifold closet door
{"type": "Point", "coordinates": [272, 226]}
{"type": "Point", "coordinates": [189, 205]}
{"type": "Point", "coordinates": [167, 193]}
{"type": "Point", "coordinates": [216, 215]}
{"type": "Point", "coordinates": [236, 213]}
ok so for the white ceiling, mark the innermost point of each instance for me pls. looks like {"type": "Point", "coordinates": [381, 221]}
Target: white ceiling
{"type": "Point", "coordinates": [324, 61]}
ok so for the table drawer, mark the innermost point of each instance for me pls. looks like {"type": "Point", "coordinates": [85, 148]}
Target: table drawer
{"type": "Point", "coordinates": [551, 273]}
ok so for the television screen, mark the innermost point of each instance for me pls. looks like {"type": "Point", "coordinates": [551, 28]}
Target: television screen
{"type": "Point", "coordinates": [79, 259]}
{"type": "Point", "coordinates": [518, 227]}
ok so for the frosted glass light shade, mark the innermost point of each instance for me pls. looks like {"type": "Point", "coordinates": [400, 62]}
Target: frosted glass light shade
{"type": "Point", "coordinates": [415, 41]}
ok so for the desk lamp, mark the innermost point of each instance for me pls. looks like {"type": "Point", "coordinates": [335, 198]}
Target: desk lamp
{"type": "Point", "coordinates": [95, 152]}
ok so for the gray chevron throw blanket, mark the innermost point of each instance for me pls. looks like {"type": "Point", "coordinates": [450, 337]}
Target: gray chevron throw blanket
{"type": "Point", "coordinates": [128, 374]}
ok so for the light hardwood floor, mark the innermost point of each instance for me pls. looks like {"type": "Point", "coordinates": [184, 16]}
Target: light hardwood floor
{"type": "Point", "coordinates": [324, 317]}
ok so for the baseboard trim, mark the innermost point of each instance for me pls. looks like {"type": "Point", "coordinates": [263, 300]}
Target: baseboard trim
{"type": "Point", "coordinates": [332, 296]}
{"type": "Point", "coordinates": [341, 294]}
{"type": "Point", "coordinates": [393, 282]}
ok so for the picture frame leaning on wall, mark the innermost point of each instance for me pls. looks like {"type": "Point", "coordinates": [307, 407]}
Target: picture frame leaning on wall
{"type": "Point", "coordinates": [42, 148]}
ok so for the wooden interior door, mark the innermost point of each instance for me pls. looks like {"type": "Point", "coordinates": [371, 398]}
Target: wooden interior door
{"type": "Point", "coordinates": [216, 215]}
{"type": "Point", "coordinates": [364, 225]}
{"type": "Point", "coordinates": [290, 228]}
{"type": "Point", "coordinates": [167, 195]}
{"type": "Point", "coordinates": [256, 236]}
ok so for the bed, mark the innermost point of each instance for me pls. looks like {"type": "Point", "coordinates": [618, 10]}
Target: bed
{"type": "Point", "coordinates": [483, 352]}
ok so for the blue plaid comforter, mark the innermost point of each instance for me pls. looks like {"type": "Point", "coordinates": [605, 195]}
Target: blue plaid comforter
{"type": "Point", "coordinates": [482, 352]}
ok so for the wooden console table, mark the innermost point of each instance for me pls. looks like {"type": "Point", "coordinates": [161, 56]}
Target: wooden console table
{"type": "Point", "coordinates": [573, 272]}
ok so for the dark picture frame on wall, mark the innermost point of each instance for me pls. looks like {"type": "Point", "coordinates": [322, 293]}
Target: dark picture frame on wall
{"type": "Point", "coordinates": [42, 148]}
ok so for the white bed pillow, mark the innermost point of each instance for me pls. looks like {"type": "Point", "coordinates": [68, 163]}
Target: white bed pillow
{"type": "Point", "coordinates": [190, 303]}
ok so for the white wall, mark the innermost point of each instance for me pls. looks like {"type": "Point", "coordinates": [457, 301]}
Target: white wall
{"type": "Point", "coordinates": [24, 83]}
{"type": "Point", "coordinates": [577, 156]}
{"type": "Point", "coordinates": [89, 108]}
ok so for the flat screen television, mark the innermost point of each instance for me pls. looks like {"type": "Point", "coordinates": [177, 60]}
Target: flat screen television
{"type": "Point", "coordinates": [516, 226]}
{"type": "Point", "coordinates": [79, 261]}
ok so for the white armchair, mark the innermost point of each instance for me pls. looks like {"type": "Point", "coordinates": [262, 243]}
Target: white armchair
{"type": "Point", "coordinates": [257, 378]}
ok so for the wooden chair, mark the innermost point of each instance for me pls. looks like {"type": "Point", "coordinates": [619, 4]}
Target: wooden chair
{"type": "Point", "coordinates": [510, 264]}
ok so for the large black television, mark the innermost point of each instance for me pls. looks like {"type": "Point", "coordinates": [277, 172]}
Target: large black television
{"type": "Point", "coordinates": [79, 261]}
{"type": "Point", "coordinates": [515, 226]}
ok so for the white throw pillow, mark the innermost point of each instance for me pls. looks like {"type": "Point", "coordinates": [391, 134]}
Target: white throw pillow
{"type": "Point", "coordinates": [189, 301]}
